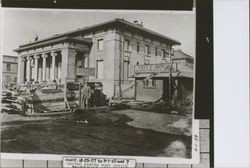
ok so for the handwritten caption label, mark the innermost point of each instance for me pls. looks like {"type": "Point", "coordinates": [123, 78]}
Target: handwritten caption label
{"type": "Point", "coordinates": [80, 162]}
{"type": "Point", "coordinates": [196, 143]}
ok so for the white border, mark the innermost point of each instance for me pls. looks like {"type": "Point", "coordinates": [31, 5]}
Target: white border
{"type": "Point", "coordinates": [195, 158]}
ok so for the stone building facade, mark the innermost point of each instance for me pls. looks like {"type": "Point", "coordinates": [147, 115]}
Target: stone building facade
{"type": "Point", "coordinates": [9, 69]}
{"type": "Point", "coordinates": [112, 49]}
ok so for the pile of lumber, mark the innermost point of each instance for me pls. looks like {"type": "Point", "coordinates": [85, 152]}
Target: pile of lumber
{"type": "Point", "coordinates": [11, 103]}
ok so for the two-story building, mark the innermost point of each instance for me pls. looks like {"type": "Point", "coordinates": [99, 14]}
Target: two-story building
{"type": "Point", "coordinates": [9, 69]}
{"type": "Point", "coordinates": [105, 52]}
{"type": "Point", "coordinates": [183, 59]}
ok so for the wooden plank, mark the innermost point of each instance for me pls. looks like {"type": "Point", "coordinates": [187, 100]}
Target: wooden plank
{"type": "Point", "coordinates": [204, 140]}
{"type": "Point", "coordinates": [153, 165]}
{"type": "Point", "coordinates": [179, 166]}
{"type": "Point", "coordinates": [54, 164]}
{"type": "Point", "coordinates": [204, 161]}
{"type": "Point", "coordinates": [7, 163]}
{"type": "Point", "coordinates": [35, 164]}
{"type": "Point", "coordinates": [139, 165]}
{"type": "Point", "coordinates": [204, 123]}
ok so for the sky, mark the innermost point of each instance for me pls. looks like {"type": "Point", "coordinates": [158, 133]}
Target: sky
{"type": "Point", "coordinates": [20, 26]}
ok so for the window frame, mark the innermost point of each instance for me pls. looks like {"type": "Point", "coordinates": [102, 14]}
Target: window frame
{"type": "Point", "coordinates": [127, 48]}
{"type": "Point", "coordinates": [138, 47]}
{"type": "Point", "coordinates": [164, 54]}
{"type": "Point", "coordinates": [8, 67]}
{"type": "Point", "coordinates": [149, 84]}
{"type": "Point", "coordinates": [147, 49]}
{"type": "Point", "coordinates": [127, 73]}
{"type": "Point", "coordinates": [98, 44]}
{"type": "Point", "coordinates": [156, 51]}
{"type": "Point", "coordinates": [97, 69]}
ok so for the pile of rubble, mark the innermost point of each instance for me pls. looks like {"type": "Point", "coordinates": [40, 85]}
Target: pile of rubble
{"type": "Point", "coordinates": [11, 102]}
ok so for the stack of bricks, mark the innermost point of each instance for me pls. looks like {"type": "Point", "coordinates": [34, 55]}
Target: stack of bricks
{"type": "Point", "coordinates": [204, 155]}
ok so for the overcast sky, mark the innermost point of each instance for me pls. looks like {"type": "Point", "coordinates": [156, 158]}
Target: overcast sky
{"type": "Point", "coordinates": [21, 25]}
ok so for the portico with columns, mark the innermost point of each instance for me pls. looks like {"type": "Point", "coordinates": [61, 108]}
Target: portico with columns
{"type": "Point", "coordinates": [52, 60]}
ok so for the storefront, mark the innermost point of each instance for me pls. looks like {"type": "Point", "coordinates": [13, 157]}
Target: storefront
{"type": "Point", "coordinates": [161, 82]}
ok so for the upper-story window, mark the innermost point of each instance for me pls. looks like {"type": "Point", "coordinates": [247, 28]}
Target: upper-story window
{"type": "Point", "coordinates": [100, 44]}
{"type": "Point", "coordinates": [8, 67]}
{"type": "Point", "coordinates": [164, 55]}
{"type": "Point", "coordinates": [126, 45]}
{"type": "Point", "coordinates": [147, 49]}
{"type": "Point", "coordinates": [156, 51]}
{"type": "Point", "coordinates": [99, 69]}
{"type": "Point", "coordinates": [138, 47]}
{"type": "Point", "coordinates": [125, 69]}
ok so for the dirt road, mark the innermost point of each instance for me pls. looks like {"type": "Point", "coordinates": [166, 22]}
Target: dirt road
{"type": "Point", "coordinates": [90, 133]}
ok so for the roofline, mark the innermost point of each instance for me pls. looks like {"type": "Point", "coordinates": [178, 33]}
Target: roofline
{"type": "Point", "coordinates": [182, 58]}
{"type": "Point", "coordinates": [187, 56]}
{"type": "Point", "coordinates": [59, 39]}
{"type": "Point", "coordinates": [149, 31]}
{"type": "Point", "coordinates": [10, 56]}
{"type": "Point", "coordinates": [96, 26]}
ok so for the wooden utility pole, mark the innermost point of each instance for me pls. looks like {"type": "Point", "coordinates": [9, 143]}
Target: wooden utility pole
{"type": "Point", "coordinates": [65, 94]}
{"type": "Point", "coordinates": [120, 62]}
{"type": "Point", "coordinates": [170, 75]}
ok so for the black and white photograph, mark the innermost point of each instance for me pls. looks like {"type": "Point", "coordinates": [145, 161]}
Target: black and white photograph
{"type": "Point", "coordinates": [111, 83]}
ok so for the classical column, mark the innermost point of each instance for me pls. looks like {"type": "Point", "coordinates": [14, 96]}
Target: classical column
{"type": "Point", "coordinates": [20, 68]}
{"type": "Point", "coordinates": [59, 67]}
{"type": "Point", "coordinates": [44, 56]}
{"type": "Point", "coordinates": [53, 55]}
{"type": "Point", "coordinates": [40, 70]}
{"type": "Point", "coordinates": [36, 57]}
{"type": "Point", "coordinates": [24, 69]}
{"type": "Point", "coordinates": [86, 60]}
{"type": "Point", "coordinates": [28, 68]}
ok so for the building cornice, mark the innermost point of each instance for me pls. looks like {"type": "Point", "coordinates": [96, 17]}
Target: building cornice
{"type": "Point", "coordinates": [118, 23]}
{"type": "Point", "coordinates": [53, 41]}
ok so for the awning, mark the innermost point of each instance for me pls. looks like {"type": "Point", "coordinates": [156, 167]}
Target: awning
{"type": "Point", "coordinates": [179, 74]}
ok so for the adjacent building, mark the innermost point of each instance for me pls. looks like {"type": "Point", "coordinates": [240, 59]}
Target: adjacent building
{"type": "Point", "coordinates": [107, 52]}
{"type": "Point", "coordinates": [183, 59]}
{"type": "Point", "coordinates": [9, 69]}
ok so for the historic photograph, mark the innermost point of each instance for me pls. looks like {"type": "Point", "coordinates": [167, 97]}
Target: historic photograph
{"type": "Point", "coordinates": [91, 82]}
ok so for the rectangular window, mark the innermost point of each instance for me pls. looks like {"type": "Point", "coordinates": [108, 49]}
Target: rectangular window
{"type": "Point", "coordinates": [126, 45]}
{"type": "Point", "coordinates": [100, 44]}
{"type": "Point", "coordinates": [156, 51]}
{"type": "Point", "coordinates": [149, 83]}
{"type": "Point", "coordinates": [138, 47]}
{"type": "Point", "coordinates": [99, 69]}
{"type": "Point", "coordinates": [8, 67]}
{"type": "Point", "coordinates": [147, 49]}
{"type": "Point", "coordinates": [125, 69]}
{"type": "Point", "coordinates": [163, 53]}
